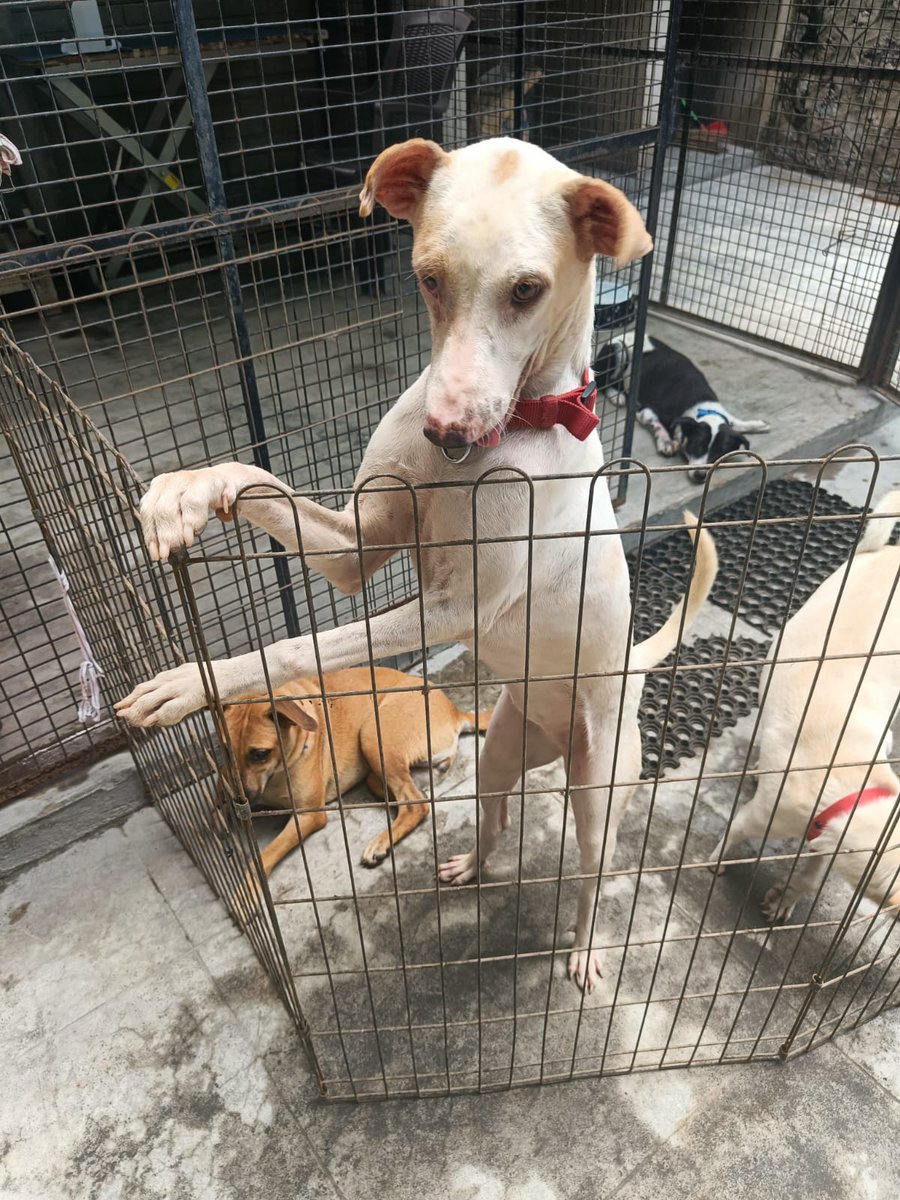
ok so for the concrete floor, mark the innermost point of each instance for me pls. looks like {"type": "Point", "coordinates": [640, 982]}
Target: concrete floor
{"type": "Point", "coordinates": [147, 1056]}
{"type": "Point", "coordinates": [780, 254]}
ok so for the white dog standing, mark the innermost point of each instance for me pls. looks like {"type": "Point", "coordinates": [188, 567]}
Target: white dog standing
{"type": "Point", "coordinates": [504, 244]}
{"type": "Point", "coordinates": [852, 621]}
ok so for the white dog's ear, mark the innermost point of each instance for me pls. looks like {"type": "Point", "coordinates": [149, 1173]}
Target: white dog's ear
{"type": "Point", "coordinates": [399, 177]}
{"type": "Point", "coordinates": [605, 222]}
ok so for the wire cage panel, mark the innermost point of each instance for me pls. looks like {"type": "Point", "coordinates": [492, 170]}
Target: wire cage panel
{"type": "Point", "coordinates": [427, 990]}
{"type": "Point", "coordinates": [182, 254]}
{"type": "Point", "coordinates": [214, 296]}
{"type": "Point", "coordinates": [399, 985]}
{"type": "Point", "coordinates": [83, 495]}
{"type": "Point", "coordinates": [779, 209]}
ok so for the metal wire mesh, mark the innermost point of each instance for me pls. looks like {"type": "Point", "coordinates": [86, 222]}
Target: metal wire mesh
{"type": "Point", "coordinates": [780, 205]}
{"type": "Point", "coordinates": [184, 301]}
{"type": "Point", "coordinates": [189, 204]}
{"type": "Point", "coordinates": [398, 984]}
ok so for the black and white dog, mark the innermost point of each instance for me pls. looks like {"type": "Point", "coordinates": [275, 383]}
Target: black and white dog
{"type": "Point", "coordinates": [679, 407]}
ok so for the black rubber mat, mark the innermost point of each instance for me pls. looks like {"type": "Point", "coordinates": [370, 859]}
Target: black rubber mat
{"type": "Point", "coordinates": [792, 548]}
{"type": "Point", "coordinates": [700, 709]}
{"type": "Point", "coordinates": [787, 562]}
{"type": "Point", "coordinates": [700, 704]}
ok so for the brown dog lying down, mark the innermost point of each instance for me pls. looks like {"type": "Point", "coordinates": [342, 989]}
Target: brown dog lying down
{"type": "Point", "coordinates": [304, 779]}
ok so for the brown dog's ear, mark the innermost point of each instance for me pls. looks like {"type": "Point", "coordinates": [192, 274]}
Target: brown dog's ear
{"type": "Point", "coordinates": [399, 177]}
{"type": "Point", "coordinates": [294, 712]}
{"type": "Point", "coordinates": [605, 222]}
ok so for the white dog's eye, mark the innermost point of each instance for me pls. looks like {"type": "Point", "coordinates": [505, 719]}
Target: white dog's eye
{"type": "Point", "coordinates": [525, 291]}
{"type": "Point", "coordinates": [430, 284]}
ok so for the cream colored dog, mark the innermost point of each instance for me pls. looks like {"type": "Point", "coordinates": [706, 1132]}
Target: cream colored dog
{"type": "Point", "coordinates": [835, 783]}
{"type": "Point", "coordinates": [504, 244]}
{"type": "Point", "coordinates": [283, 750]}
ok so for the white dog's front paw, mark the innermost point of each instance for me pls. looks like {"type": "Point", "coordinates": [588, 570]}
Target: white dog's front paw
{"type": "Point", "coordinates": [177, 505]}
{"type": "Point", "coordinates": [164, 700]}
{"type": "Point", "coordinates": [776, 905]}
{"type": "Point", "coordinates": [584, 968]}
{"type": "Point", "coordinates": [459, 869]}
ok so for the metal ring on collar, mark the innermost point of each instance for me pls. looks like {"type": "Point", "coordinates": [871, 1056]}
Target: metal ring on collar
{"type": "Point", "coordinates": [466, 451]}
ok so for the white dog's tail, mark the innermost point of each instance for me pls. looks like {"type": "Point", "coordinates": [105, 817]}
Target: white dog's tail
{"type": "Point", "coordinates": [880, 524]}
{"type": "Point", "coordinates": [654, 649]}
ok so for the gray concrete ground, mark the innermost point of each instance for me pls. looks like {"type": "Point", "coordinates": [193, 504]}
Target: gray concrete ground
{"type": "Point", "coordinates": [145, 1057]}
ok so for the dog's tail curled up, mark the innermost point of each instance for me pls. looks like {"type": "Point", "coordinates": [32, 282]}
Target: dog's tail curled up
{"type": "Point", "coordinates": [880, 524]}
{"type": "Point", "coordinates": [654, 649]}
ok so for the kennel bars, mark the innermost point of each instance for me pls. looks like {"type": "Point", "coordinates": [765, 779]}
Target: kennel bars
{"type": "Point", "coordinates": [191, 113]}
{"type": "Point", "coordinates": [401, 987]}
{"type": "Point", "coordinates": [187, 342]}
{"type": "Point", "coordinates": [217, 143]}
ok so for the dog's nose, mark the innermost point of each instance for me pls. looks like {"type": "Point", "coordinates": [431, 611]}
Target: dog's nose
{"type": "Point", "coordinates": [696, 476]}
{"type": "Point", "coordinates": [449, 437]}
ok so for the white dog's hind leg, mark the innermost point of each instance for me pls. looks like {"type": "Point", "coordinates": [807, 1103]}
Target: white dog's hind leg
{"type": "Point", "coordinates": [750, 824]}
{"type": "Point", "coordinates": [750, 426]}
{"type": "Point", "coordinates": [590, 800]}
{"type": "Point", "coordinates": [499, 770]}
{"type": "Point", "coordinates": [780, 900]}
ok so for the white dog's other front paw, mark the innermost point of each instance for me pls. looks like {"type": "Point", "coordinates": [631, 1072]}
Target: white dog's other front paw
{"type": "Point", "coordinates": [776, 906]}
{"type": "Point", "coordinates": [459, 869]}
{"type": "Point", "coordinates": [584, 968]}
{"type": "Point", "coordinates": [164, 700]}
{"type": "Point", "coordinates": [177, 505]}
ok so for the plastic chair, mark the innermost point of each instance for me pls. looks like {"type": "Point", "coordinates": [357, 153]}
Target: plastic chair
{"type": "Point", "coordinates": [409, 96]}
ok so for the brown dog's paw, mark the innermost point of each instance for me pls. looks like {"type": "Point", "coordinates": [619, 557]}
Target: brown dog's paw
{"type": "Point", "coordinates": [376, 851]}
{"type": "Point", "coordinates": [247, 900]}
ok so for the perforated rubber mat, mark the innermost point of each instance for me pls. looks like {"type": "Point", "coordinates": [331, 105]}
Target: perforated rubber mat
{"type": "Point", "coordinates": [700, 703]}
{"type": "Point", "coordinates": [787, 560]}
{"type": "Point", "coordinates": [703, 702]}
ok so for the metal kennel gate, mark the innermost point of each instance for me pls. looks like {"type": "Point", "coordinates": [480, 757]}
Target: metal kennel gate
{"type": "Point", "coordinates": [180, 160]}
{"type": "Point", "coordinates": [399, 986]}
{"type": "Point", "coordinates": [183, 126]}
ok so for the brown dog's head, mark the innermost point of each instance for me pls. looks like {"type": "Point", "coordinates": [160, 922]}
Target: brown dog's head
{"type": "Point", "coordinates": [504, 239]}
{"type": "Point", "coordinates": [260, 729]}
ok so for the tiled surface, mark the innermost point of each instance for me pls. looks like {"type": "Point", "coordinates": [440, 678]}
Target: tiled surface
{"type": "Point", "coordinates": [776, 253]}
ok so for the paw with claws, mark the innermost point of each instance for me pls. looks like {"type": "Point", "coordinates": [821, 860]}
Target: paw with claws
{"type": "Point", "coordinates": [460, 869]}
{"type": "Point", "coordinates": [584, 968]}
{"type": "Point", "coordinates": [177, 505]}
{"type": "Point", "coordinates": [777, 904]}
{"type": "Point", "coordinates": [164, 700]}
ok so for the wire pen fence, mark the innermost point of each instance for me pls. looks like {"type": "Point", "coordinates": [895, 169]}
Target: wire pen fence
{"type": "Point", "coordinates": [181, 250]}
{"type": "Point", "coordinates": [182, 260]}
{"type": "Point", "coordinates": [399, 985]}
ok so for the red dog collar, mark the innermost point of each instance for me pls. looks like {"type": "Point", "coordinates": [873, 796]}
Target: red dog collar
{"type": "Point", "coordinates": [574, 410]}
{"type": "Point", "coordinates": [845, 805]}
